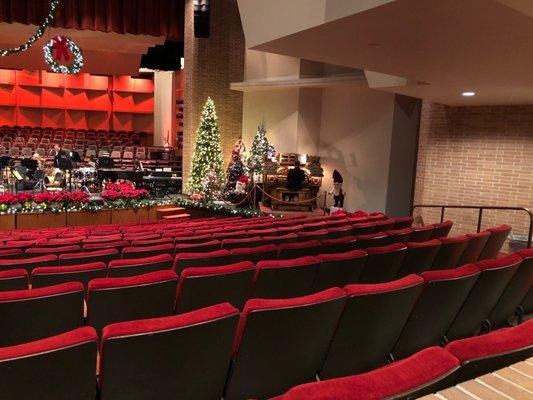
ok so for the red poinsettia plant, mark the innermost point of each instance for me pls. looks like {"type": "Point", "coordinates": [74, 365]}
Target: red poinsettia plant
{"type": "Point", "coordinates": [123, 192]}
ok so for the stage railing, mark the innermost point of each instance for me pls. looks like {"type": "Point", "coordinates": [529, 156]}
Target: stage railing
{"type": "Point", "coordinates": [480, 209]}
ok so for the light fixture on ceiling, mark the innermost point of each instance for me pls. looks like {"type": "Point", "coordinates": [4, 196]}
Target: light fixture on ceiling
{"type": "Point", "coordinates": [468, 94]}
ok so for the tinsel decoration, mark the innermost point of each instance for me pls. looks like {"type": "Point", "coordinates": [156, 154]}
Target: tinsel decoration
{"type": "Point", "coordinates": [37, 35]}
{"type": "Point", "coordinates": [208, 151]}
{"type": "Point", "coordinates": [62, 45]}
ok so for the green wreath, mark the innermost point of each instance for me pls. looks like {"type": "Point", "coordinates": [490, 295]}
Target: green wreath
{"type": "Point", "coordinates": [62, 45]}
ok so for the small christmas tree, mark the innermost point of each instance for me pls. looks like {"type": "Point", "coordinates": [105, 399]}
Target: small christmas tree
{"type": "Point", "coordinates": [260, 151]}
{"type": "Point", "coordinates": [236, 169]}
{"type": "Point", "coordinates": [208, 151]}
{"type": "Point", "coordinates": [211, 186]}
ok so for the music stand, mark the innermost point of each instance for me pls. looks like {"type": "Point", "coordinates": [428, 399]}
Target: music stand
{"type": "Point", "coordinates": [105, 162]}
{"type": "Point", "coordinates": [40, 185]}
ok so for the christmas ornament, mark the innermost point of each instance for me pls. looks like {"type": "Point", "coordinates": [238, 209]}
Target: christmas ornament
{"type": "Point", "coordinates": [57, 50]}
{"type": "Point", "coordinates": [37, 35]}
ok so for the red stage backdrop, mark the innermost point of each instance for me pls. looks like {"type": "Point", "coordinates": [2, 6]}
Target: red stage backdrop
{"type": "Point", "coordinates": [82, 101]}
{"type": "Point", "coordinates": [139, 17]}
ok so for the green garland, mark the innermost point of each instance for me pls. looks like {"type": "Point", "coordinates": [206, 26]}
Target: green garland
{"type": "Point", "coordinates": [217, 208]}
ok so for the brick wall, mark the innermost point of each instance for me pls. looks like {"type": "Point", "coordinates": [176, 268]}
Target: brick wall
{"type": "Point", "coordinates": [476, 156]}
{"type": "Point", "coordinates": [210, 66]}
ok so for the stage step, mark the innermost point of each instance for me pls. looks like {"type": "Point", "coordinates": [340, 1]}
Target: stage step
{"type": "Point", "coordinates": [176, 217]}
{"type": "Point", "coordinates": [167, 212]}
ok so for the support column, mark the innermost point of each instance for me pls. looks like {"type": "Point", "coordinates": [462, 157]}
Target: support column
{"type": "Point", "coordinates": [164, 108]}
{"type": "Point", "coordinates": [211, 64]}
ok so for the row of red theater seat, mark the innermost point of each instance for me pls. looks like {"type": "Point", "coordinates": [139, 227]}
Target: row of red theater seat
{"type": "Point", "coordinates": [271, 347]}
{"type": "Point", "coordinates": [341, 266]}
{"type": "Point", "coordinates": [444, 305]}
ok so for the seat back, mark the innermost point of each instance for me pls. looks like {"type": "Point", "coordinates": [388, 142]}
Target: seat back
{"type": "Point", "coordinates": [113, 300]}
{"type": "Point", "coordinates": [284, 278]}
{"type": "Point", "coordinates": [209, 259]}
{"type": "Point", "coordinates": [482, 354]}
{"type": "Point", "coordinates": [335, 232]}
{"type": "Point", "coordinates": [45, 251]}
{"type": "Point", "coordinates": [139, 266]}
{"type": "Point", "coordinates": [441, 229]}
{"type": "Point", "coordinates": [426, 372]}
{"type": "Point", "coordinates": [202, 287]}
{"type": "Point", "coordinates": [421, 233]}
{"type": "Point", "coordinates": [450, 252]}
{"type": "Point", "coordinates": [419, 257]}
{"type": "Point", "coordinates": [338, 270]}
{"type": "Point", "coordinates": [494, 278]}
{"type": "Point", "coordinates": [383, 310]}
{"type": "Point", "coordinates": [377, 239]}
{"type": "Point", "coordinates": [339, 245]}
{"type": "Point", "coordinates": [299, 330]}
{"type": "Point", "coordinates": [104, 256]}
{"type": "Point", "coordinates": [320, 234]}
{"type": "Point", "coordinates": [13, 279]}
{"type": "Point", "coordinates": [35, 314]}
{"type": "Point", "coordinates": [36, 370]}
{"type": "Point", "coordinates": [383, 263]}
{"type": "Point", "coordinates": [472, 251]}
{"type": "Point", "coordinates": [212, 245]}
{"type": "Point", "coordinates": [497, 238]}
{"type": "Point", "coordinates": [442, 297]}
{"type": "Point", "coordinates": [364, 228]}
{"type": "Point", "coordinates": [403, 222]}
{"type": "Point", "coordinates": [147, 251]}
{"type": "Point", "coordinates": [289, 251]}
{"type": "Point", "coordinates": [506, 310]}
{"type": "Point", "coordinates": [28, 263]}
{"type": "Point", "coordinates": [254, 254]}
{"type": "Point", "coordinates": [398, 235]}
{"type": "Point", "coordinates": [230, 244]}
{"type": "Point", "coordinates": [115, 244]}
{"type": "Point", "coordinates": [280, 239]}
{"type": "Point", "coordinates": [48, 276]}
{"type": "Point", "coordinates": [162, 358]}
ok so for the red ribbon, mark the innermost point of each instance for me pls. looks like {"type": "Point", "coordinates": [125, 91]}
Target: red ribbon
{"type": "Point", "coordinates": [61, 48]}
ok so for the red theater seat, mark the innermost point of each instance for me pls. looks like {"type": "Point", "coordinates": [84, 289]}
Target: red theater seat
{"type": "Point", "coordinates": [138, 266]}
{"type": "Point", "coordinates": [60, 367]}
{"type": "Point", "coordinates": [450, 252]}
{"type": "Point", "coordinates": [280, 239]}
{"type": "Point", "coordinates": [372, 240]}
{"type": "Point", "coordinates": [497, 238]}
{"type": "Point", "coordinates": [230, 244]}
{"type": "Point", "coordinates": [284, 278]}
{"type": "Point", "coordinates": [494, 278]}
{"type": "Point", "coordinates": [339, 245]}
{"type": "Point", "coordinates": [28, 263]}
{"type": "Point", "coordinates": [385, 225]}
{"type": "Point", "coordinates": [184, 356]}
{"type": "Point", "coordinates": [111, 300]}
{"type": "Point", "coordinates": [476, 244]}
{"type": "Point", "coordinates": [230, 235]}
{"type": "Point", "coordinates": [442, 297]}
{"type": "Point", "coordinates": [48, 276]}
{"type": "Point", "coordinates": [383, 263]}
{"type": "Point", "coordinates": [191, 239]}
{"type": "Point", "coordinates": [338, 270]}
{"type": "Point", "coordinates": [104, 256]}
{"type": "Point", "coordinates": [14, 279]}
{"type": "Point", "coordinates": [403, 222]}
{"type": "Point", "coordinates": [44, 251]}
{"type": "Point", "coordinates": [254, 254]}
{"type": "Point", "coordinates": [203, 247]}
{"type": "Point", "coordinates": [117, 244]}
{"type": "Point", "coordinates": [441, 229]}
{"type": "Point", "coordinates": [398, 235]}
{"type": "Point", "coordinates": [319, 234]}
{"type": "Point", "coordinates": [147, 251]}
{"type": "Point", "coordinates": [209, 259]}
{"type": "Point", "coordinates": [423, 373]}
{"type": "Point", "coordinates": [282, 343]}
{"type": "Point", "coordinates": [421, 233]}
{"type": "Point", "coordinates": [419, 257]}
{"type": "Point", "coordinates": [487, 353]}
{"type": "Point", "coordinates": [507, 308]}
{"type": "Point", "coordinates": [294, 250]}
{"type": "Point", "coordinates": [337, 232]}
{"type": "Point", "coordinates": [35, 314]}
{"type": "Point", "coordinates": [364, 228]}
{"type": "Point", "coordinates": [151, 242]}
{"type": "Point", "coordinates": [202, 287]}
{"type": "Point", "coordinates": [382, 309]}
{"type": "Point", "coordinates": [102, 239]}
{"type": "Point", "coordinates": [10, 254]}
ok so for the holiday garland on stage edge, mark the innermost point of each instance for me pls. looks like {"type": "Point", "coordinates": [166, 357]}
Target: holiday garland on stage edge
{"type": "Point", "coordinates": [37, 35]}
{"type": "Point", "coordinates": [207, 155]}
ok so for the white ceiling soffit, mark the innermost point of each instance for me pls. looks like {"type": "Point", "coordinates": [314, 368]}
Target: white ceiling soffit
{"type": "Point", "coordinates": [431, 49]}
{"type": "Point", "coordinates": [104, 53]}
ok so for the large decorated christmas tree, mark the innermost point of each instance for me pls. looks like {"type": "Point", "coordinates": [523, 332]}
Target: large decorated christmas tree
{"type": "Point", "coordinates": [261, 150]}
{"type": "Point", "coordinates": [208, 151]}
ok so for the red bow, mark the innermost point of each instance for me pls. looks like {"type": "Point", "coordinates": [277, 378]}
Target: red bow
{"type": "Point", "coordinates": [61, 48]}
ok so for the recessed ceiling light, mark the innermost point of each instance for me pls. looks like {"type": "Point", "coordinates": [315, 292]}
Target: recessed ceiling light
{"type": "Point", "coordinates": [469, 94]}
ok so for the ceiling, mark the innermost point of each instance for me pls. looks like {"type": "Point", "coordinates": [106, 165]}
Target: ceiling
{"type": "Point", "coordinates": [429, 49]}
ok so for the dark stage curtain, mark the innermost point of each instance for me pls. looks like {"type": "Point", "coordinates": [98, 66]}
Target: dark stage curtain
{"type": "Point", "coordinates": [141, 17]}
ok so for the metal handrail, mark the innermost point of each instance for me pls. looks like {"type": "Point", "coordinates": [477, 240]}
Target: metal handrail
{"type": "Point", "coordinates": [480, 213]}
